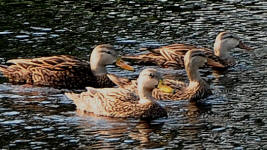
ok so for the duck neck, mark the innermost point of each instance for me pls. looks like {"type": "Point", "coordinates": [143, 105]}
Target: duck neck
{"type": "Point", "coordinates": [193, 74]}
{"type": "Point", "coordinates": [145, 95]}
{"type": "Point", "coordinates": [97, 67]}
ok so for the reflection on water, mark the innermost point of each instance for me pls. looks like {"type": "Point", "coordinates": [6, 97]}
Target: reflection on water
{"type": "Point", "coordinates": [37, 118]}
{"type": "Point", "coordinates": [111, 132]}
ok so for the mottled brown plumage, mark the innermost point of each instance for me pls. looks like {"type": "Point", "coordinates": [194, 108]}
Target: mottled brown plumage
{"type": "Point", "coordinates": [63, 71]}
{"type": "Point", "coordinates": [120, 102]}
{"type": "Point", "coordinates": [173, 55]}
{"type": "Point", "coordinates": [195, 90]}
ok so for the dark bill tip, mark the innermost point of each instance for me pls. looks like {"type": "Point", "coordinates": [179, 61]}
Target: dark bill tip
{"type": "Point", "coordinates": [244, 46]}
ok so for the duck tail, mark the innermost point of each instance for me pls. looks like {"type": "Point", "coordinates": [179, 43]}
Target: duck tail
{"type": "Point", "coordinates": [73, 96]}
{"type": "Point", "coordinates": [147, 57]}
{"type": "Point", "coordinates": [80, 100]}
{"type": "Point", "coordinates": [132, 57]}
{"type": "Point", "coordinates": [142, 59]}
{"type": "Point", "coordinates": [4, 69]}
{"type": "Point", "coordinates": [119, 81]}
{"type": "Point", "coordinates": [215, 64]}
{"type": "Point", "coordinates": [155, 50]}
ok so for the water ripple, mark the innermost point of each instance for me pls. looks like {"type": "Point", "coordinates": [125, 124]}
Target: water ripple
{"type": "Point", "coordinates": [234, 117]}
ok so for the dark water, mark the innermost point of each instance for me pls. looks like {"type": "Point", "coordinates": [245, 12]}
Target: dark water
{"type": "Point", "coordinates": [233, 118]}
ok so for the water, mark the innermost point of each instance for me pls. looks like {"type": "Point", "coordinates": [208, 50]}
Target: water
{"type": "Point", "coordinates": [234, 117]}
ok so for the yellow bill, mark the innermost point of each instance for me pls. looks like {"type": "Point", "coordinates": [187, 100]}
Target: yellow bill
{"type": "Point", "coordinates": [123, 65]}
{"type": "Point", "coordinates": [165, 88]}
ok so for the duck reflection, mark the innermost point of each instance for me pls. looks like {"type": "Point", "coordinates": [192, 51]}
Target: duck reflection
{"type": "Point", "coordinates": [195, 109]}
{"type": "Point", "coordinates": [188, 129]}
{"type": "Point", "coordinates": [224, 81]}
{"type": "Point", "coordinates": [110, 132]}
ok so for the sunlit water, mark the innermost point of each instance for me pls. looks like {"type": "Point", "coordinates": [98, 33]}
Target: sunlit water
{"type": "Point", "coordinates": [234, 117]}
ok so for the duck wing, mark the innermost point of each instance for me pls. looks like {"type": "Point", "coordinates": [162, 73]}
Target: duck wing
{"type": "Point", "coordinates": [116, 102]}
{"type": "Point", "coordinates": [56, 71]}
{"type": "Point", "coordinates": [178, 86]}
{"type": "Point", "coordinates": [57, 63]}
{"type": "Point", "coordinates": [173, 56]}
{"type": "Point", "coordinates": [113, 102]}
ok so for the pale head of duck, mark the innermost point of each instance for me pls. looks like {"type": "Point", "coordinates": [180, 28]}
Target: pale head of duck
{"type": "Point", "coordinates": [225, 41]}
{"type": "Point", "coordinates": [148, 80]}
{"type": "Point", "coordinates": [103, 55]}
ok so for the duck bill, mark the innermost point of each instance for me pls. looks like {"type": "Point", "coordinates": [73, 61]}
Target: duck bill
{"type": "Point", "coordinates": [244, 46]}
{"type": "Point", "coordinates": [165, 88]}
{"type": "Point", "coordinates": [123, 65]}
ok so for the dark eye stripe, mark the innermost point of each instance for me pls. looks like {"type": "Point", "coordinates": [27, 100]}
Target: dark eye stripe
{"type": "Point", "coordinates": [229, 35]}
{"type": "Point", "coordinates": [151, 75]}
{"type": "Point", "coordinates": [198, 53]}
{"type": "Point", "coordinates": [108, 52]}
{"type": "Point", "coordinates": [108, 46]}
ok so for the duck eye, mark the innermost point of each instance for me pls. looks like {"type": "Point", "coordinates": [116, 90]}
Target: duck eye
{"type": "Point", "coordinates": [151, 75]}
{"type": "Point", "coordinates": [229, 37]}
{"type": "Point", "coordinates": [109, 52]}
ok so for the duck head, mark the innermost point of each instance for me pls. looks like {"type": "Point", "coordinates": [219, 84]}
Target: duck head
{"type": "Point", "coordinates": [103, 55]}
{"type": "Point", "coordinates": [226, 41]}
{"type": "Point", "coordinates": [148, 80]}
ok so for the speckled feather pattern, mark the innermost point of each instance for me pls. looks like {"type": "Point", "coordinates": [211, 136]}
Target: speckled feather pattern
{"type": "Point", "coordinates": [199, 91]}
{"type": "Point", "coordinates": [61, 71]}
{"type": "Point", "coordinates": [116, 103]}
{"type": "Point", "coordinates": [181, 90]}
{"type": "Point", "coordinates": [173, 56]}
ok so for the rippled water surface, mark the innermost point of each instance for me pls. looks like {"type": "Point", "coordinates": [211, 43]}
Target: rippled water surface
{"type": "Point", "coordinates": [234, 117]}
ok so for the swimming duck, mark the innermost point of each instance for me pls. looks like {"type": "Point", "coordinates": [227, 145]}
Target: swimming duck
{"type": "Point", "coordinates": [196, 89]}
{"type": "Point", "coordinates": [65, 71]}
{"type": "Point", "coordinates": [120, 102]}
{"type": "Point", "coordinates": [172, 55]}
